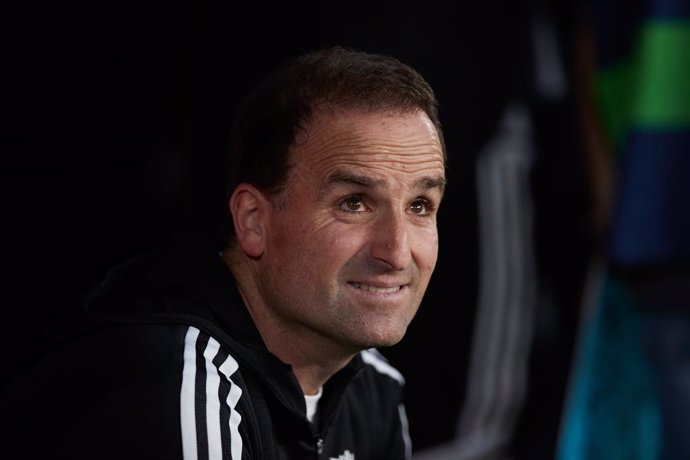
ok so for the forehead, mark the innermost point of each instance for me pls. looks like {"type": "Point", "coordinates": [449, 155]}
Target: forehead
{"type": "Point", "coordinates": [378, 143]}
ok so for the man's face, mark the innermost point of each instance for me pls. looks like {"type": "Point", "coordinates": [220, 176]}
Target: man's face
{"type": "Point", "coordinates": [352, 241]}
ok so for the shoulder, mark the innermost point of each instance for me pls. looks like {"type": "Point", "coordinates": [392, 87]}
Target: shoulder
{"type": "Point", "coordinates": [99, 392]}
{"type": "Point", "coordinates": [120, 387]}
{"type": "Point", "coordinates": [378, 384]}
{"type": "Point", "coordinates": [379, 365]}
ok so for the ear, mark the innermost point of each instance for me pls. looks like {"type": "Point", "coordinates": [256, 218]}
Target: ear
{"type": "Point", "coordinates": [248, 209]}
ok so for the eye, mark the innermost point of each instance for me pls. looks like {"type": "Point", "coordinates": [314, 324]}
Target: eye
{"type": "Point", "coordinates": [420, 207]}
{"type": "Point", "coordinates": [353, 204]}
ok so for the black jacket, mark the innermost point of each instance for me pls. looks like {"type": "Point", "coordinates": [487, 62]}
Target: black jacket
{"type": "Point", "coordinates": [165, 362]}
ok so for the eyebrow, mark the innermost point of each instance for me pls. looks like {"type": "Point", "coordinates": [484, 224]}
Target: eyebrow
{"type": "Point", "coordinates": [345, 177]}
{"type": "Point", "coordinates": [429, 182]}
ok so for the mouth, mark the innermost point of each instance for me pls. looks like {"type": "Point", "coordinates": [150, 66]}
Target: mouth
{"type": "Point", "coordinates": [376, 289]}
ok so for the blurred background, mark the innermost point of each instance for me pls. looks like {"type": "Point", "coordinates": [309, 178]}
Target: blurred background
{"type": "Point", "coordinates": [118, 114]}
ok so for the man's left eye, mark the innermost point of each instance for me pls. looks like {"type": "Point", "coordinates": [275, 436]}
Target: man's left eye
{"type": "Point", "coordinates": [419, 207]}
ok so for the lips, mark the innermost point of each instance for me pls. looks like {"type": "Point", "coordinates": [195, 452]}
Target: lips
{"type": "Point", "coordinates": [376, 289]}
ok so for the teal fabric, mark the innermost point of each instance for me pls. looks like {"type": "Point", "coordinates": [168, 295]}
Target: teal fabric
{"type": "Point", "coordinates": [611, 410]}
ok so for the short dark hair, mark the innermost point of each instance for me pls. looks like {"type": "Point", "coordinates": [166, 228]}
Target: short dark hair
{"type": "Point", "coordinates": [269, 118]}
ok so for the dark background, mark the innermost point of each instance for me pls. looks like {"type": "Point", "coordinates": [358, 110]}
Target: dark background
{"type": "Point", "coordinates": [118, 114]}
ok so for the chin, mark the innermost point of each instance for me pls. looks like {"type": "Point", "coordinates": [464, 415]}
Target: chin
{"type": "Point", "coordinates": [384, 338]}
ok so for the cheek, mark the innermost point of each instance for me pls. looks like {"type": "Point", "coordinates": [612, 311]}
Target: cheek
{"type": "Point", "coordinates": [335, 244]}
{"type": "Point", "coordinates": [316, 244]}
{"type": "Point", "coordinates": [334, 250]}
{"type": "Point", "coordinates": [426, 249]}
{"type": "Point", "coordinates": [286, 244]}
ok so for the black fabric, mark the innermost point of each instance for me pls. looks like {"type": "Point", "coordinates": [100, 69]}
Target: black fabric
{"type": "Point", "coordinates": [111, 387]}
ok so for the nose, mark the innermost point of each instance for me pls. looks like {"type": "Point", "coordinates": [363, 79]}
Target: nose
{"type": "Point", "coordinates": [390, 243]}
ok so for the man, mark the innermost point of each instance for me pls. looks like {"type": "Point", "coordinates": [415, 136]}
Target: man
{"type": "Point", "coordinates": [336, 172]}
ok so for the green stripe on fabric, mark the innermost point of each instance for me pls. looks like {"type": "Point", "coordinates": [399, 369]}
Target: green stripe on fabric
{"type": "Point", "coordinates": [664, 77]}
{"type": "Point", "coordinates": [652, 87]}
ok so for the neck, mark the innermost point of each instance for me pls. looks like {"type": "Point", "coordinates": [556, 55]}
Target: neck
{"type": "Point", "coordinates": [314, 358]}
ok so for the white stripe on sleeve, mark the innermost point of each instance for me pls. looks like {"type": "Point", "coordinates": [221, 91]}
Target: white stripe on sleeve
{"type": "Point", "coordinates": [187, 392]}
{"type": "Point", "coordinates": [227, 369]}
{"type": "Point", "coordinates": [215, 443]}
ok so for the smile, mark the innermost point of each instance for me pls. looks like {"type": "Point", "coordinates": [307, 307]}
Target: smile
{"type": "Point", "coordinates": [379, 290]}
